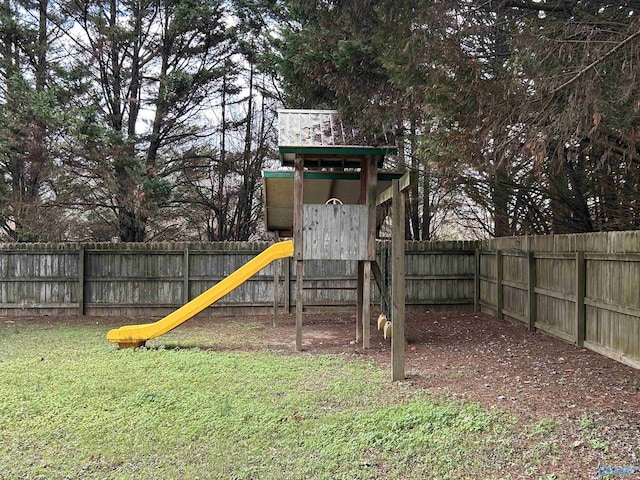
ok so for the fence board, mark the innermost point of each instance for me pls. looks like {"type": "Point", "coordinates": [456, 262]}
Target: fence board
{"type": "Point", "coordinates": [541, 282]}
{"type": "Point", "coordinates": [515, 301]}
{"type": "Point", "coordinates": [30, 280]}
{"type": "Point", "coordinates": [586, 288]}
{"type": "Point", "coordinates": [488, 282]}
{"type": "Point", "coordinates": [153, 279]}
{"type": "Point", "coordinates": [557, 314]}
{"type": "Point", "coordinates": [623, 281]}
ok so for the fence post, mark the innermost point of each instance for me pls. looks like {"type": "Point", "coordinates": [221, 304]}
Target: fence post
{"type": "Point", "coordinates": [499, 299]}
{"type": "Point", "coordinates": [581, 284]}
{"type": "Point", "coordinates": [287, 284]}
{"type": "Point", "coordinates": [476, 282]}
{"type": "Point", "coordinates": [185, 275]}
{"type": "Point", "coordinates": [81, 281]}
{"type": "Point", "coordinates": [276, 280]}
{"type": "Point", "coordinates": [531, 287]}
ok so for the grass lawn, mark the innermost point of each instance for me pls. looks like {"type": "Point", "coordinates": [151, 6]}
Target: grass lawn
{"type": "Point", "coordinates": [73, 406]}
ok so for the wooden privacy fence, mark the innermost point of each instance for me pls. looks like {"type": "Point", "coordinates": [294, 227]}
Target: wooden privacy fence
{"type": "Point", "coordinates": [149, 280]}
{"type": "Point", "coordinates": [582, 288]}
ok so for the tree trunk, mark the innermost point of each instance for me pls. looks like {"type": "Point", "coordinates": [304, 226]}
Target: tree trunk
{"type": "Point", "coordinates": [245, 200]}
{"type": "Point", "coordinates": [413, 192]}
{"type": "Point", "coordinates": [559, 191]}
{"type": "Point", "coordinates": [581, 221]}
{"type": "Point", "coordinates": [501, 202]}
{"type": "Point", "coordinates": [222, 157]}
{"type": "Point", "coordinates": [426, 205]}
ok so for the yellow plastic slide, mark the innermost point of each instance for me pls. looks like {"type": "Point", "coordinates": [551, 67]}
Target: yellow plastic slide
{"type": "Point", "coordinates": [137, 335]}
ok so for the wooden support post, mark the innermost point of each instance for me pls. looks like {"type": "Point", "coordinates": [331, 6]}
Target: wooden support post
{"type": "Point", "coordinates": [366, 304]}
{"type": "Point", "coordinates": [499, 299]}
{"type": "Point", "coordinates": [364, 167]}
{"type": "Point", "coordinates": [371, 178]}
{"type": "Point", "coordinates": [276, 280]}
{"type": "Point", "coordinates": [398, 286]}
{"type": "Point", "coordinates": [359, 301]}
{"type": "Point", "coordinates": [403, 183]}
{"type": "Point", "coordinates": [298, 200]}
{"type": "Point", "coordinates": [185, 275]}
{"type": "Point", "coordinates": [531, 287]}
{"type": "Point", "coordinates": [299, 292]}
{"type": "Point", "coordinates": [370, 201]}
{"type": "Point", "coordinates": [476, 281]}
{"type": "Point", "coordinates": [384, 292]}
{"type": "Point", "coordinates": [298, 196]}
{"type": "Point", "coordinates": [287, 284]}
{"type": "Point", "coordinates": [581, 287]}
{"type": "Point", "coordinates": [81, 258]}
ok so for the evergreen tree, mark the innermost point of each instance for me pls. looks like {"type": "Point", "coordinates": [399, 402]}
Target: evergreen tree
{"type": "Point", "coordinates": [531, 105]}
{"type": "Point", "coordinates": [224, 191]}
{"type": "Point", "coordinates": [152, 65]}
{"type": "Point", "coordinates": [30, 120]}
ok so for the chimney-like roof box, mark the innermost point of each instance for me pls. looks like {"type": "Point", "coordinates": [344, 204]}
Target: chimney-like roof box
{"type": "Point", "coordinates": [324, 140]}
{"type": "Point", "coordinates": [311, 128]}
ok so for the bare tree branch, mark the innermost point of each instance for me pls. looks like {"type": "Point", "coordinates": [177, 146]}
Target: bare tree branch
{"type": "Point", "coordinates": [619, 46]}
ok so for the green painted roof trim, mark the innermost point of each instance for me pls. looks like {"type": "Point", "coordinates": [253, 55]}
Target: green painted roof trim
{"type": "Point", "coordinates": [384, 176]}
{"type": "Point", "coordinates": [341, 150]}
